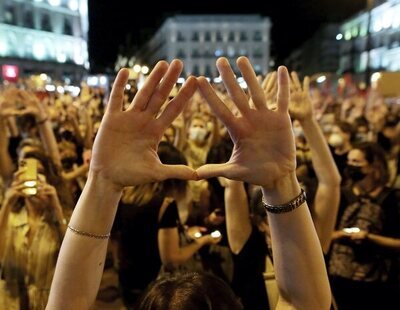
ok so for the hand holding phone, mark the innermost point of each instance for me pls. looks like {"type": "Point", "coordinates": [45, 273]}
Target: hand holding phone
{"type": "Point", "coordinates": [29, 176]}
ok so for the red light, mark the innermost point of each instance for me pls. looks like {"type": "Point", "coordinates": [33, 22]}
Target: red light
{"type": "Point", "coordinates": [10, 73]}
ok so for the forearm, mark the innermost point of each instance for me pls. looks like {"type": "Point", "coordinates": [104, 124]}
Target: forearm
{"type": "Point", "coordinates": [323, 162]}
{"type": "Point", "coordinates": [386, 242]}
{"type": "Point", "coordinates": [6, 164]}
{"type": "Point", "coordinates": [326, 202]}
{"type": "Point", "coordinates": [77, 172]}
{"type": "Point", "coordinates": [49, 141]}
{"type": "Point", "coordinates": [297, 253]}
{"type": "Point", "coordinates": [81, 259]}
{"type": "Point", "coordinates": [237, 216]}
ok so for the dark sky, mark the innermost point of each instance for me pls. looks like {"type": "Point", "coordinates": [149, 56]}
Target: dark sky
{"type": "Point", "coordinates": [112, 22]}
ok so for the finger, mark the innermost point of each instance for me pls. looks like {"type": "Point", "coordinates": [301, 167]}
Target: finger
{"type": "Point", "coordinates": [264, 83]}
{"type": "Point", "coordinates": [216, 104]}
{"type": "Point", "coordinates": [306, 85]}
{"type": "Point", "coordinates": [283, 89]}
{"type": "Point", "coordinates": [165, 87]}
{"type": "Point", "coordinates": [176, 105]}
{"type": "Point", "coordinates": [271, 82]}
{"type": "Point", "coordinates": [182, 172]}
{"type": "Point", "coordinates": [256, 92]}
{"type": "Point", "coordinates": [235, 91]}
{"type": "Point", "coordinates": [117, 92]}
{"type": "Point", "coordinates": [295, 80]}
{"type": "Point", "coordinates": [144, 94]}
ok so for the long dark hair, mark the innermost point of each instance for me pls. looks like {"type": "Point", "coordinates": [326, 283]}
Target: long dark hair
{"type": "Point", "coordinates": [192, 291]}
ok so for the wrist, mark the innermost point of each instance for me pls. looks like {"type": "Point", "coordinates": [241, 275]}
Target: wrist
{"type": "Point", "coordinates": [96, 180]}
{"type": "Point", "coordinates": [285, 190]}
{"type": "Point", "coordinates": [308, 121]}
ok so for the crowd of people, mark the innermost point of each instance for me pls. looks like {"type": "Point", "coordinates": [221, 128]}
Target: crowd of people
{"type": "Point", "coordinates": [190, 189]}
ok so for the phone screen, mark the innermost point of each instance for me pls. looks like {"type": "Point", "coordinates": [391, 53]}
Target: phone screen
{"type": "Point", "coordinates": [29, 176]}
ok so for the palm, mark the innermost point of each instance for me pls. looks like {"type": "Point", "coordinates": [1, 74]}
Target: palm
{"type": "Point", "coordinates": [125, 149]}
{"type": "Point", "coordinates": [262, 138]}
{"type": "Point", "coordinates": [300, 102]}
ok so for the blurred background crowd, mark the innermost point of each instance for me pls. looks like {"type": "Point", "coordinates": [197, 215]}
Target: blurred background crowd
{"type": "Point", "coordinates": [51, 110]}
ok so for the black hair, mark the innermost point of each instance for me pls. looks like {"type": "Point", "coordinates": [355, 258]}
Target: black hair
{"type": "Point", "coordinates": [375, 156]}
{"type": "Point", "coordinates": [170, 155]}
{"type": "Point", "coordinates": [192, 291]}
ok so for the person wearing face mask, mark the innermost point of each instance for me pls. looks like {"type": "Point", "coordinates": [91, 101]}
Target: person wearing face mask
{"type": "Point", "coordinates": [198, 143]}
{"type": "Point", "coordinates": [363, 272]}
{"type": "Point", "coordinates": [340, 141]}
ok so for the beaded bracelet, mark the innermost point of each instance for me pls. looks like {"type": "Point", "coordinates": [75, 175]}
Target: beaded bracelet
{"type": "Point", "coordinates": [286, 207]}
{"type": "Point", "coordinates": [86, 234]}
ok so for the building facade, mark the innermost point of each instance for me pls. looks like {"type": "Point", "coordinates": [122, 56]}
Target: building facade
{"type": "Point", "coordinates": [199, 40]}
{"type": "Point", "coordinates": [370, 41]}
{"type": "Point", "coordinates": [318, 54]}
{"type": "Point", "coordinates": [48, 36]}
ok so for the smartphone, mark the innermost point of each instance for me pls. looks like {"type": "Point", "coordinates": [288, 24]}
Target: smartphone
{"type": "Point", "coordinates": [351, 230]}
{"type": "Point", "coordinates": [29, 176]}
{"type": "Point", "coordinates": [216, 234]}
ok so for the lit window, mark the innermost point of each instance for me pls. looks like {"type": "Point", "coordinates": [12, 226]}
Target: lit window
{"type": "Point", "coordinates": [39, 51]}
{"type": "Point", "coordinates": [347, 35]}
{"type": "Point", "coordinates": [230, 51]}
{"type": "Point", "coordinates": [54, 2]}
{"type": "Point", "coordinates": [218, 52]}
{"type": "Point", "coordinates": [73, 5]}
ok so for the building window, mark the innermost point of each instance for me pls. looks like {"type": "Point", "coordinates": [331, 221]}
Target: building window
{"type": "Point", "coordinates": [195, 53]}
{"type": "Point", "coordinates": [196, 70]}
{"type": "Point", "coordinates": [208, 54]}
{"type": "Point", "coordinates": [208, 71]}
{"type": "Point", "coordinates": [257, 35]}
{"type": "Point", "coordinates": [230, 51]}
{"type": "Point", "coordinates": [219, 37]}
{"type": "Point", "coordinates": [207, 36]}
{"type": "Point", "coordinates": [46, 24]}
{"type": "Point", "coordinates": [243, 36]}
{"type": "Point", "coordinates": [231, 37]}
{"type": "Point", "coordinates": [195, 36]}
{"type": "Point", "coordinates": [28, 20]}
{"type": "Point", "coordinates": [242, 52]}
{"type": "Point", "coordinates": [181, 38]}
{"type": "Point", "coordinates": [181, 54]}
{"type": "Point", "coordinates": [68, 27]}
{"type": "Point", "coordinates": [219, 52]}
{"type": "Point", "coordinates": [257, 53]}
{"type": "Point", "coordinates": [9, 15]}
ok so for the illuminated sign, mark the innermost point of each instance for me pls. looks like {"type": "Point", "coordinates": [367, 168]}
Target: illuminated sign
{"type": "Point", "coordinates": [10, 73]}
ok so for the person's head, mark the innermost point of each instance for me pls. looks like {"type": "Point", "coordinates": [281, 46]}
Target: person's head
{"type": "Point", "coordinates": [198, 129]}
{"type": "Point", "coordinates": [367, 160]}
{"type": "Point", "coordinates": [169, 135]}
{"type": "Point", "coordinates": [342, 135]}
{"type": "Point", "coordinates": [170, 155]}
{"type": "Point", "coordinates": [362, 129]}
{"type": "Point", "coordinates": [189, 291]}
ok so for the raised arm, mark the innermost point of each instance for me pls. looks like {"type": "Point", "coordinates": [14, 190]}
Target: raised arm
{"type": "Point", "coordinates": [326, 203]}
{"type": "Point", "coordinates": [124, 153]}
{"type": "Point", "coordinates": [237, 214]}
{"type": "Point", "coordinates": [264, 154]}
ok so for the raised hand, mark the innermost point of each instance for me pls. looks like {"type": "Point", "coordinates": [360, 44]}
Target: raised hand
{"type": "Point", "coordinates": [125, 149]}
{"type": "Point", "coordinates": [264, 149]}
{"type": "Point", "coordinates": [300, 102]}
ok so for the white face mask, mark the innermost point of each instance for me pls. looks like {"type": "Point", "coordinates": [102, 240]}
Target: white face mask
{"type": "Point", "coordinates": [197, 134]}
{"type": "Point", "coordinates": [335, 140]}
{"type": "Point", "coordinates": [298, 132]}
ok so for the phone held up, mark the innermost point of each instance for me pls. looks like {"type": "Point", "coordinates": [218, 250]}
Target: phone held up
{"type": "Point", "coordinates": [29, 176]}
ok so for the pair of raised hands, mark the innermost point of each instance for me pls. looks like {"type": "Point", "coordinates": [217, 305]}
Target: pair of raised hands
{"type": "Point", "coordinates": [125, 149]}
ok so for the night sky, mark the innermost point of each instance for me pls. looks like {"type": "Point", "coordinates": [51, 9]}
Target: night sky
{"type": "Point", "coordinates": [115, 22]}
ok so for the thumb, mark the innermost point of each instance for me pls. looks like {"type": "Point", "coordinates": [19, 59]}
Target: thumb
{"type": "Point", "coordinates": [213, 170]}
{"type": "Point", "coordinates": [178, 172]}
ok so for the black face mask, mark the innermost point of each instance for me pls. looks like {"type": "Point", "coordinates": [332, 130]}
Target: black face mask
{"type": "Point", "coordinates": [355, 173]}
